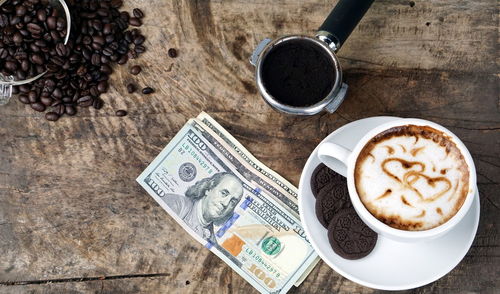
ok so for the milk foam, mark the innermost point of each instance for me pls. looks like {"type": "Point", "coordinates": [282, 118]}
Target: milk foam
{"type": "Point", "coordinates": [410, 183]}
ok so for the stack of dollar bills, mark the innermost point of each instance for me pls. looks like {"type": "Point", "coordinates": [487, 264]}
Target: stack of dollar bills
{"type": "Point", "coordinates": [231, 203]}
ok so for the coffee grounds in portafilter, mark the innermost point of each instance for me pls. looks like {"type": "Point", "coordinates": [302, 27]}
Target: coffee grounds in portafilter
{"type": "Point", "coordinates": [298, 73]}
{"type": "Point", "coordinates": [78, 73]}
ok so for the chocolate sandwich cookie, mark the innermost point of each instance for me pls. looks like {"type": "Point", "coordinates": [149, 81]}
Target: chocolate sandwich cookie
{"type": "Point", "coordinates": [331, 199]}
{"type": "Point", "coordinates": [349, 236]}
{"type": "Point", "coordinates": [322, 176]}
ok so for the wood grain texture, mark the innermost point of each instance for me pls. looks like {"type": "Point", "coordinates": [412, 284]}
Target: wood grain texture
{"type": "Point", "coordinates": [69, 204]}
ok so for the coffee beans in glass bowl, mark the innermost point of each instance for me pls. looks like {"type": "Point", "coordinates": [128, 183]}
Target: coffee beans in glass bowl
{"type": "Point", "coordinates": [78, 72]}
{"type": "Point", "coordinates": [31, 32]}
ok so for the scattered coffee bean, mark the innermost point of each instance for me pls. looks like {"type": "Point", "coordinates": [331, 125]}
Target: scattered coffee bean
{"type": "Point", "coordinates": [51, 116]}
{"type": "Point", "coordinates": [135, 70]}
{"type": "Point", "coordinates": [147, 90]}
{"type": "Point", "coordinates": [139, 49]}
{"type": "Point", "coordinates": [172, 52]}
{"type": "Point", "coordinates": [139, 40]}
{"type": "Point", "coordinates": [131, 88]}
{"type": "Point", "coordinates": [121, 112]}
{"type": "Point", "coordinates": [138, 13]}
{"type": "Point", "coordinates": [134, 21]}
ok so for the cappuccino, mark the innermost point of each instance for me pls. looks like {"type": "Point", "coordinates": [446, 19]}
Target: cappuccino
{"type": "Point", "coordinates": [412, 177]}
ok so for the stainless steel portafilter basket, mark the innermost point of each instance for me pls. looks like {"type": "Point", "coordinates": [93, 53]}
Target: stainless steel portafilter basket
{"type": "Point", "coordinates": [329, 38]}
{"type": "Point", "coordinates": [7, 82]}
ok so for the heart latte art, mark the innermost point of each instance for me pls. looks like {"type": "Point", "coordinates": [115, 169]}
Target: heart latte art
{"type": "Point", "coordinates": [412, 177]}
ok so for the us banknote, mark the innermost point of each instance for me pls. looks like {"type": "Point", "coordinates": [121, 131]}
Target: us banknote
{"type": "Point", "coordinates": [228, 201]}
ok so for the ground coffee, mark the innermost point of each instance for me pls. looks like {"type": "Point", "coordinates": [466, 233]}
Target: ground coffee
{"type": "Point", "coordinates": [298, 73]}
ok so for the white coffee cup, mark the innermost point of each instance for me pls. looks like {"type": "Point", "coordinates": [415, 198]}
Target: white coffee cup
{"type": "Point", "coordinates": [330, 152]}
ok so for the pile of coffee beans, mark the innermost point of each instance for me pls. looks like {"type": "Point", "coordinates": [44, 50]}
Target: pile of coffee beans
{"type": "Point", "coordinates": [78, 72]}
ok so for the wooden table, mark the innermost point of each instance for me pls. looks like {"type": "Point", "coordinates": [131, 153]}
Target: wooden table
{"type": "Point", "coordinates": [73, 219]}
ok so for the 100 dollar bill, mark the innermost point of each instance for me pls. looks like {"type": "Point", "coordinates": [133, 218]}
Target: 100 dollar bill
{"type": "Point", "coordinates": [243, 212]}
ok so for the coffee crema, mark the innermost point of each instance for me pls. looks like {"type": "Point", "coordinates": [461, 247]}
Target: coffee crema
{"type": "Point", "coordinates": [412, 177]}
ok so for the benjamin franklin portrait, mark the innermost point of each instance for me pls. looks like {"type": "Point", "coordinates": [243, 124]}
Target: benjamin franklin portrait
{"type": "Point", "coordinates": [207, 203]}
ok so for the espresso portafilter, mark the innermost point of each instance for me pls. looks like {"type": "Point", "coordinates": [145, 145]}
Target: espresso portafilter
{"type": "Point", "coordinates": [329, 38]}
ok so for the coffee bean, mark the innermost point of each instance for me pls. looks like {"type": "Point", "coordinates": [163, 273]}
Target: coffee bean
{"type": "Point", "coordinates": [135, 70]}
{"type": "Point", "coordinates": [95, 59]}
{"type": "Point", "coordinates": [172, 52]}
{"type": "Point", "coordinates": [102, 12]}
{"type": "Point", "coordinates": [33, 28]}
{"type": "Point", "coordinates": [132, 54]}
{"type": "Point", "coordinates": [125, 16]}
{"type": "Point", "coordinates": [57, 93]}
{"type": "Point", "coordinates": [138, 40]}
{"type": "Point", "coordinates": [70, 110]}
{"type": "Point", "coordinates": [41, 15]}
{"type": "Point", "coordinates": [24, 99]}
{"type": "Point", "coordinates": [107, 29]}
{"type": "Point", "coordinates": [139, 49]}
{"type": "Point", "coordinates": [60, 24]}
{"type": "Point", "coordinates": [37, 58]}
{"type": "Point", "coordinates": [138, 13]}
{"type": "Point", "coordinates": [61, 49]}
{"type": "Point", "coordinates": [107, 51]}
{"type": "Point", "coordinates": [116, 3]}
{"type": "Point", "coordinates": [32, 96]}
{"type": "Point", "coordinates": [98, 103]}
{"type": "Point", "coordinates": [131, 88]}
{"type": "Point", "coordinates": [24, 88]}
{"type": "Point", "coordinates": [11, 66]}
{"type": "Point", "coordinates": [21, 75]}
{"type": "Point", "coordinates": [17, 38]}
{"type": "Point", "coordinates": [47, 101]}
{"type": "Point", "coordinates": [94, 92]}
{"type": "Point", "coordinates": [122, 59]}
{"type": "Point", "coordinates": [134, 21]}
{"type": "Point", "coordinates": [121, 112]}
{"type": "Point", "coordinates": [84, 101]}
{"type": "Point", "coordinates": [60, 109]}
{"type": "Point", "coordinates": [99, 40]}
{"type": "Point", "coordinates": [51, 116]}
{"type": "Point", "coordinates": [103, 86]}
{"type": "Point", "coordinates": [38, 106]}
{"type": "Point", "coordinates": [106, 69]}
{"type": "Point", "coordinates": [147, 90]}
{"type": "Point", "coordinates": [52, 22]}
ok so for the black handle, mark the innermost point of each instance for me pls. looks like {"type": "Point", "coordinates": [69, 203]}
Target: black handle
{"type": "Point", "coordinates": [344, 18]}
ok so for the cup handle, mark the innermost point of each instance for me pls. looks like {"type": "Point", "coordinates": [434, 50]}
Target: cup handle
{"type": "Point", "coordinates": [334, 156]}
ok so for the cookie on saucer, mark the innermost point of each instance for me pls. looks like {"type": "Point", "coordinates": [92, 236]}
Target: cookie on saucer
{"type": "Point", "coordinates": [349, 236]}
{"type": "Point", "coordinates": [331, 199]}
{"type": "Point", "coordinates": [322, 176]}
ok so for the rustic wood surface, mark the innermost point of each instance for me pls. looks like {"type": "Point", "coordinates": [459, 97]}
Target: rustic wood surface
{"type": "Point", "coordinates": [73, 219]}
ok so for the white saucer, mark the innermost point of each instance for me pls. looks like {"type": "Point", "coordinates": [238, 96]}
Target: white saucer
{"type": "Point", "coordinates": [391, 265]}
